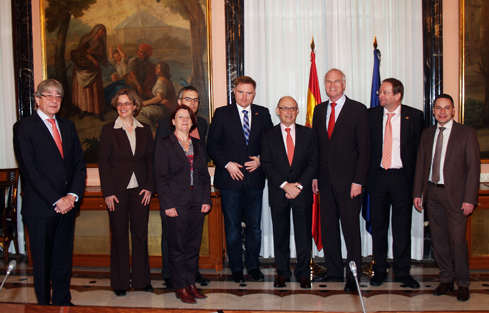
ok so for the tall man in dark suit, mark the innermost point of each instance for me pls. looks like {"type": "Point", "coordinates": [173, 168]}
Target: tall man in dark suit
{"type": "Point", "coordinates": [190, 97]}
{"type": "Point", "coordinates": [289, 159]}
{"type": "Point", "coordinates": [395, 131]}
{"type": "Point", "coordinates": [53, 172]}
{"type": "Point", "coordinates": [234, 143]}
{"type": "Point", "coordinates": [341, 126]}
{"type": "Point", "coordinates": [447, 181]}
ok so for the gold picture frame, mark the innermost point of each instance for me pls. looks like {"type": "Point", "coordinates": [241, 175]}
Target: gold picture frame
{"type": "Point", "coordinates": [178, 33]}
{"type": "Point", "coordinates": [474, 71]}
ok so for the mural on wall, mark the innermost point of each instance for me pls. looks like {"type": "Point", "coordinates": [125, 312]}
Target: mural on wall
{"type": "Point", "coordinates": [96, 47]}
{"type": "Point", "coordinates": [475, 70]}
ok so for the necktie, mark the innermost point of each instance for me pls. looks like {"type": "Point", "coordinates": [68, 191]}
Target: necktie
{"type": "Point", "coordinates": [246, 126]}
{"type": "Point", "coordinates": [332, 118]}
{"type": "Point", "coordinates": [387, 150]}
{"type": "Point", "coordinates": [56, 136]}
{"type": "Point", "coordinates": [290, 146]}
{"type": "Point", "coordinates": [435, 175]}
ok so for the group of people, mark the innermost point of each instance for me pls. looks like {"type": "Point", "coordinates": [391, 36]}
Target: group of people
{"type": "Point", "coordinates": [348, 151]}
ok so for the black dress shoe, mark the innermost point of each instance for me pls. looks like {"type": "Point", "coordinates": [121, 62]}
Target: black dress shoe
{"type": "Point", "coordinates": [256, 274]}
{"type": "Point", "coordinates": [238, 277]}
{"type": "Point", "coordinates": [279, 282]}
{"type": "Point", "coordinates": [463, 294]}
{"type": "Point", "coordinates": [443, 289]}
{"type": "Point", "coordinates": [350, 285]}
{"type": "Point", "coordinates": [169, 284]}
{"type": "Point", "coordinates": [305, 283]}
{"type": "Point", "coordinates": [328, 278]}
{"type": "Point", "coordinates": [119, 292]}
{"type": "Point", "coordinates": [408, 281]}
{"type": "Point", "coordinates": [201, 279]}
{"type": "Point", "coordinates": [148, 288]}
{"type": "Point", "coordinates": [67, 303]}
{"type": "Point", "coordinates": [378, 279]}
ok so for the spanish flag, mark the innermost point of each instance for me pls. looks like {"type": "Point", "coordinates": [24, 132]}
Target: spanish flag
{"type": "Point", "coordinates": [313, 99]}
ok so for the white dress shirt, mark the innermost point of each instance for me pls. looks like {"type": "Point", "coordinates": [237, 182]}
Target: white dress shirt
{"type": "Point", "coordinates": [337, 109]}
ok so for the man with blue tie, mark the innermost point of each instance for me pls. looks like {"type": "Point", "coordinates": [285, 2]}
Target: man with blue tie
{"type": "Point", "coordinates": [234, 143]}
{"type": "Point", "coordinates": [53, 171]}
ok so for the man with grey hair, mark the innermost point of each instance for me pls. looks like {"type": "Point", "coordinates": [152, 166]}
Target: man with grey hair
{"type": "Point", "coordinates": [53, 171]}
{"type": "Point", "coordinates": [341, 127]}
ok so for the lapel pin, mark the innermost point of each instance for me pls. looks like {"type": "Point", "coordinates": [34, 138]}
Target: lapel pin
{"type": "Point", "coordinates": [256, 113]}
{"type": "Point", "coordinates": [407, 117]}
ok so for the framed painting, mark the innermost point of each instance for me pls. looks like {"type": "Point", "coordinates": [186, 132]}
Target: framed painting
{"type": "Point", "coordinates": [474, 70]}
{"type": "Point", "coordinates": [96, 47]}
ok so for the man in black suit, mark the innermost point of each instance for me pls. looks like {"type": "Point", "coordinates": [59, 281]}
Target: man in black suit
{"type": "Point", "coordinates": [395, 131]}
{"type": "Point", "coordinates": [289, 159]}
{"type": "Point", "coordinates": [341, 126]}
{"type": "Point", "coordinates": [234, 143]}
{"type": "Point", "coordinates": [53, 171]}
{"type": "Point", "coordinates": [447, 181]}
{"type": "Point", "coordinates": [190, 97]}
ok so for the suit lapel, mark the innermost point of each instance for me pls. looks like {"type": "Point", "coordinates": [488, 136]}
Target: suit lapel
{"type": "Point", "coordinates": [236, 120]}
{"type": "Point", "coordinates": [452, 140]}
{"type": "Point", "coordinates": [255, 120]}
{"type": "Point", "coordinates": [49, 138]}
{"type": "Point", "coordinates": [139, 141]}
{"type": "Point", "coordinates": [278, 143]}
{"type": "Point", "coordinates": [342, 118]}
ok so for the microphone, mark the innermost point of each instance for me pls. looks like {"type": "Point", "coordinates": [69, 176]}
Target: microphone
{"type": "Point", "coordinates": [10, 268]}
{"type": "Point", "coordinates": [353, 268]}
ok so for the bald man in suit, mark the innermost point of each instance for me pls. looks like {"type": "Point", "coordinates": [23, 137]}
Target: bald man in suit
{"type": "Point", "coordinates": [447, 182]}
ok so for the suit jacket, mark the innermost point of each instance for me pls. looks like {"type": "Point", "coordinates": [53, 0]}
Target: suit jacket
{"type": "Point", "coordinates": [461, 171]}
{"type": "Point", "coordinates": [117, 163]}
{"type": "Point", "coordinates": [345, 156]}
{"type": "Point", "coordinates": [412, 124]}
{"type": "Point", "coordinates": [226, 143]}
{"type": "Point", "coordinates": [275, 164]}
{"type": "Point", "coordinates": [47, 176]}
{"type": "Point", "coordinates": [164, 130]}
{"type": "Point", "coordinates": [173, 174]}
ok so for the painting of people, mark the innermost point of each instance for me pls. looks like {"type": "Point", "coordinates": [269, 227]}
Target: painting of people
{"type": "Point", "coordinates": [97, 47]}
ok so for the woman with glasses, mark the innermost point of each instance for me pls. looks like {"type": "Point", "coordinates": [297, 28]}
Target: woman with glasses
{"type": "Point", "coordinates": [126, 176]}
{"type": "Point", "coordinates": [184, 191]}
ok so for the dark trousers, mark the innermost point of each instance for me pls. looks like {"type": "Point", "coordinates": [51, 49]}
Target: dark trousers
{"type": "Point", "coordinates": [338, 207]}
{"type": "Point", "coordinates": [184, 234]}
{"type": "Point", "coordinates": [302, 218]}
{"type": "Point", "coordinates": [236, 205]}
{"type": "Point", "coordinates": [448, 226]}
{"type": "Point", "coordinates": [129, 213]}
{"type": "Point", "coordinates": [392, 188]}
{"type": "Point", "coordinates": [51, 241]}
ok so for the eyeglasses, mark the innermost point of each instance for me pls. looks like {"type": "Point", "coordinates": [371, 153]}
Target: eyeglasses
{"type": "Point", "coordinates": [385, 93]}
{"type": "Point", "coordinates": [119, 104]}
{"type": "Point", "coordinates": [188, 99]}
{"type": "Point", "coordinates": [53, 97]}
{"type": "Point", "coordinates": [288, 109]}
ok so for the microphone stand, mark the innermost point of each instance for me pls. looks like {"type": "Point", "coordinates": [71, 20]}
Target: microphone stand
{"type": "Point", "coordinates": [10, 268]}
{"type": "Point", "coordinates": [353, 268]}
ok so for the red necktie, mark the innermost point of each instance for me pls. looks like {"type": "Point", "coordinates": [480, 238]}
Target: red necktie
{"type": "Point", "coordinates": [290, 146]}
{"type": "Point", "coordinates": [331, 122]}
{"type": "Point", "coordinates": [56, 136]}
{"type": "Point", "coordinates": [387, 151]}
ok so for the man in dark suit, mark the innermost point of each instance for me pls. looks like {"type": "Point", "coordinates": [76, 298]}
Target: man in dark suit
{"type": "Point", "coordinates": [341, 126]}
{"type": "Point", "coordinates": [53, 171]}
{"type": "Point", "coordinates": [190, 97]}
{"type": "Point", "coordinates": [395, 131]}
{"type": "Point", "coordinates": [447, 181]}
{"type": "Point", "coordinates": [289, 159]}
{"type": "Point", "coordinates": [234, 143]}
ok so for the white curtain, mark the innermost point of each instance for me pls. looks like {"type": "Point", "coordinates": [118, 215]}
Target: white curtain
{"type": "Point", "coordinates": [277, 47]}
{"type": "Point", "coordinates": [8, 108]}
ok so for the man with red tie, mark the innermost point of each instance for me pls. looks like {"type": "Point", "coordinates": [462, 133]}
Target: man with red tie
{"type": "Point", "coordinates": [289, 160]}
{"type": "Point", "coordinates": [341, 126]}
{"type": "Point", "coordinates": [53, 171]}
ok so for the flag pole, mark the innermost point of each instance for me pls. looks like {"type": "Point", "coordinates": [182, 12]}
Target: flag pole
{"type": "Point", "coordinates": [313, 98]}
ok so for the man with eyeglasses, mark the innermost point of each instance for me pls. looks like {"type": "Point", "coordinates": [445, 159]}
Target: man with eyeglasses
{"type": "Point", "coordinates": [341, 125]}
{"type": "Point", "coordinates": [234, 143]}
{"type": "Point", "coordinates": [395, 131]}
{"type": "Point", "coordinates": [190, 97]}
{"type": "Point", "coordinates": [51, 162]}
{"type": "Point", "coordinates": [289, 159]}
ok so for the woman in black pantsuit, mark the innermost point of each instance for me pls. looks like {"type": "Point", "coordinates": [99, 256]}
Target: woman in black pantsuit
{"type": "Point", "coordinates": [183, 185]}
{"type": "Point", "coordinates": [126, 176]}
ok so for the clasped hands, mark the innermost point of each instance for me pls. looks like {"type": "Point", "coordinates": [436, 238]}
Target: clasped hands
{"type": "Point", "coordinates": [65, 204]}
{"type": "Point", "coordinates": [173, 212]}
{"type": "Point", "coordinates": [234, 168]}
